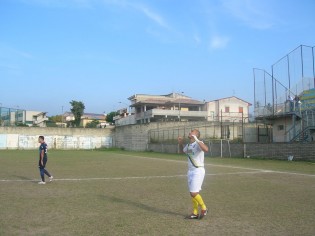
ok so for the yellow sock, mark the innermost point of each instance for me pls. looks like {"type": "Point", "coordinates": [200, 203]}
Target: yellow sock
{"type": "Point", "coordinates": [195, 205]}
{"type": "Point", "coordinates": [198, 198]}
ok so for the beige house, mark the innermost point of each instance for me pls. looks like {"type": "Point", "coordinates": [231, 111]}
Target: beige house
{"type": "Point", "coordinates": [87, 118]}
{"type": "Point", "coordinates": [170, 107]}
{"type": "Point", "coordinates": [230, 109]}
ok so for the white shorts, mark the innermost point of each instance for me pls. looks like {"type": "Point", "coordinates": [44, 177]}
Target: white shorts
{"type": "Point", "coordinates": [195, 179]}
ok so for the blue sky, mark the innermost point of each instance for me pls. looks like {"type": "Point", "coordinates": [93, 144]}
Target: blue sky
{"type": "Point", "coordinates": [101, 52]}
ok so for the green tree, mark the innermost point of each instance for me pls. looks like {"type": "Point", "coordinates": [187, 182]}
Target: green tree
{"type": "Point", "coordinates": [92, 124]}
{"type": "Point", "coordinates": [77, 110]}
{"type": "Point", "coordinates": [110, 116]}
{"type": "Point", "coordinates": [55, 119]}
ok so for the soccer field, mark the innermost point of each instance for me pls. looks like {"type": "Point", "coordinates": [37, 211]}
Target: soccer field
{"type": "Point", "coordinates": [133, 193]}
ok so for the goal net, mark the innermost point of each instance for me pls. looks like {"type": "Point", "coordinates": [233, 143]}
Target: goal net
{"type": "Point", "coordinates": [220, 148]}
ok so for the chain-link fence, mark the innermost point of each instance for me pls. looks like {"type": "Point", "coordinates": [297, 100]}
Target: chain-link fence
{"type": "Point", "coordinates": [211, 131]}
{"type": "Point", "coordinates": [279, 91]}
{"type": "Point", "coordinates": [11, 116]}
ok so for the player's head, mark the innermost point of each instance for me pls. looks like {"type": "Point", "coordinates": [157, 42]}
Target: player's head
{"type": "Point", "coordinates": [194, 132]}
{"type": "Point", "coordinates": [41, 139]}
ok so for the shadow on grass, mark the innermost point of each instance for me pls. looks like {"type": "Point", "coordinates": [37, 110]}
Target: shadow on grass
{"type": "Point", "coordinates": [22, 177]}
{"type": "Point", "coordinates": [140, 205]}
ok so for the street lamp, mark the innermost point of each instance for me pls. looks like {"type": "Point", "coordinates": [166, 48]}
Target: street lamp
{"type": "Point", "coordinates": [128, 107]}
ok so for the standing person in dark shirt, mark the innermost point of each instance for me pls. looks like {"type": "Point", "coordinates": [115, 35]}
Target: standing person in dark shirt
{"type": "Point", "coordinates": [43, 160]}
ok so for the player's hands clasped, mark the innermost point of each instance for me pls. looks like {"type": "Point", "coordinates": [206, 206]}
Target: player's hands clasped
{"type": "Point", "coordinates": [195, 137]}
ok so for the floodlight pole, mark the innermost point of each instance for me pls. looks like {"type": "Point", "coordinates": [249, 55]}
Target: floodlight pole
{"type": "Point", "coordinates": [313, 66]}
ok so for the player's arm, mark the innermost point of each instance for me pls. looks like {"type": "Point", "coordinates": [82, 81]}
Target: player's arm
{"type": "Point", "coordinates": [180, 144]}
{"type": "Point", "coordinates": [42, 152]}
{"type": "Point", "coordinates": [203, 146]}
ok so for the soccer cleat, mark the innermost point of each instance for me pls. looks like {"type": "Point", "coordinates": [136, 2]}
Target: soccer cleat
{"type": "Point", "coordinates": [41, 182]}
{"type": "Point", "coordinates": [51, 178]}
{"type": "Point", "coordinates": [192, 217]}
{"type": "Point", "coordinates": [203, 213]}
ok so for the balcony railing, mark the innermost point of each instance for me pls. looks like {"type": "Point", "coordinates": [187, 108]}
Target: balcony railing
{"type": "Point", "coordinates": [171, 113]}
{"type": "Point", "coordinates": [40, 120]}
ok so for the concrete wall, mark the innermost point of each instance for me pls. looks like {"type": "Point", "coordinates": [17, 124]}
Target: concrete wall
{"type": "Point", "coordinates": [136, 138]}
{"type": "Point", "coordinates": [131, 137]}
{"type": "Point", "coordinates": [56, 138]}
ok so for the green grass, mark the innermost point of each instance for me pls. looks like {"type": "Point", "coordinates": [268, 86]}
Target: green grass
{"type": "Point", "coordinates": [143, 193]}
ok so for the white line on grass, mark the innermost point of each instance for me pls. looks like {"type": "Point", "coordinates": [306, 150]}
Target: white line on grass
{"type": "Point", "coordinates": [131, 177]}
{"type": "Point", "coordinates": [263, 170]}
{"type": "Point", "coordinates": [250, 171]}
{"type": "Point", "coordinates": [229, 166]}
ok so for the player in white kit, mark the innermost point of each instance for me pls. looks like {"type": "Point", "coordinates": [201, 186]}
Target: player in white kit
{"type": "Point", "coordinates": [196, 172]}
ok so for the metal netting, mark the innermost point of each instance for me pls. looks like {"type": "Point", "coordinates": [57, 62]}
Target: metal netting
{"type": "Point", "coordinates": [11, 116]}
{"type": "Point", "coordinates": [290, 76]}
{"type": "Point", "coordinates": [208, 131]}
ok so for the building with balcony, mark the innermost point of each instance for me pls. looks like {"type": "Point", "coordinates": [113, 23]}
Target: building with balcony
{"type": "Point", "coordinates": [179, 107]}
{"type": "Point", "coordinates": [171, 107]}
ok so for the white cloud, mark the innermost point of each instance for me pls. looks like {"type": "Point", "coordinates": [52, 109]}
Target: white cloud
{"type": "Point", "coordinates": [143, 9]}
{"type": "Point", "coordinates": [218, 42]}
{"type": "Point", "coordinates": [153, 16]}
{"type": "Point", "coordinates": [253, 13]}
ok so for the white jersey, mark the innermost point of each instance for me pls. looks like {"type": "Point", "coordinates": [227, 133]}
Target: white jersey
{"type": "Point", "coordinates": [195, 155]}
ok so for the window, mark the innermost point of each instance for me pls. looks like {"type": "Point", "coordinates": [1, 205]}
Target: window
{"type": "Point", "coordinates": [280, 127]}
{"type": "Point", "coordinates": [240, 109]}
{"type": "Point", "coordinates": [227, 109]}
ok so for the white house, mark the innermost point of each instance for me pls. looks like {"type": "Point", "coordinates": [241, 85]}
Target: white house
{"type": "Point", "coordinates": [230, 109]}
